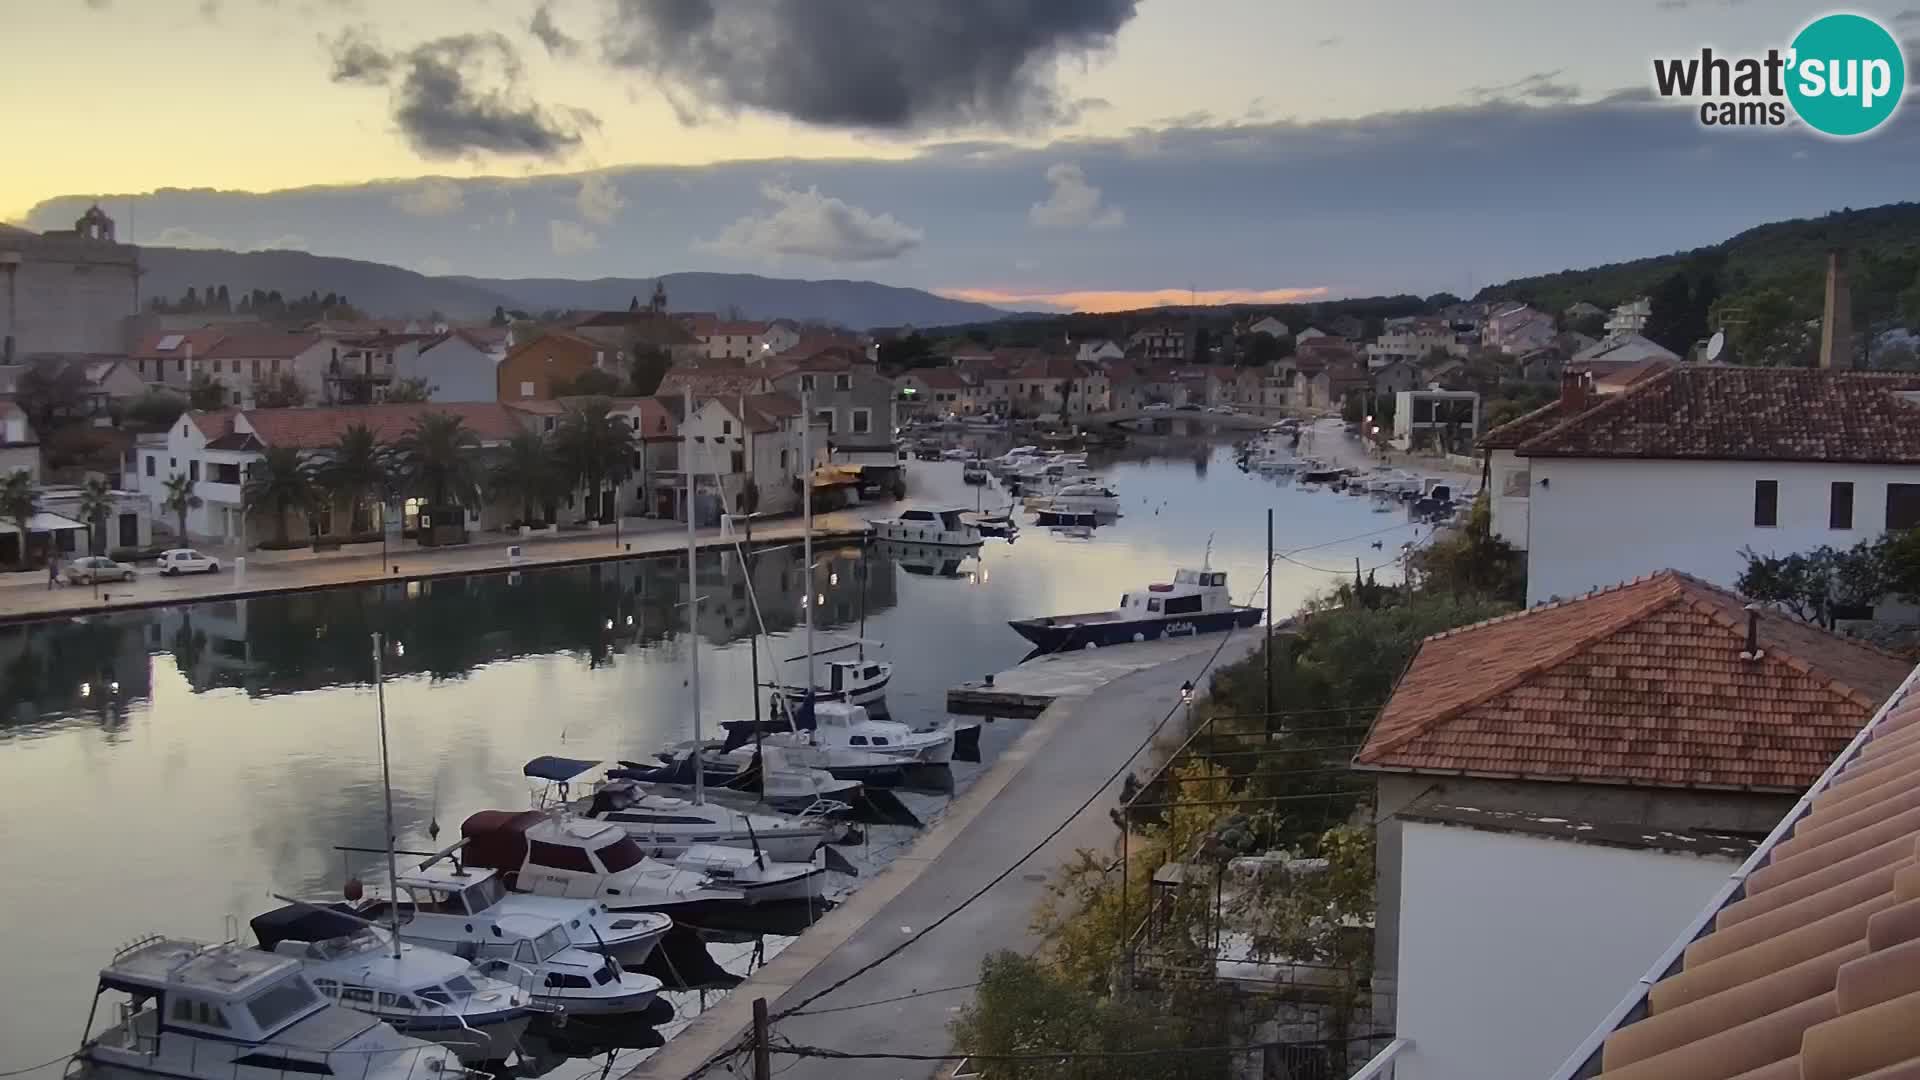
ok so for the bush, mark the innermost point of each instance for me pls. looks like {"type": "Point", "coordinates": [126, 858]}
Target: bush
{"type": "Point", "coordinates": [155, 410]}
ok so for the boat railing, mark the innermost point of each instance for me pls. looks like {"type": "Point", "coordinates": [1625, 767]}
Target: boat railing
{"type": "Point", "coordinates": [422, 1062]}
{"type": "Point", "coordinates": [137, 944]}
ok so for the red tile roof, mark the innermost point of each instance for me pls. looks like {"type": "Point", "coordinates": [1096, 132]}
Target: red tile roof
{"type": "Point", "coordinates": [313, 428]}
{"type": "Point", "coordinates": [1748, 414]}
{"type": "Point", "coordinates": [938, 378]}
{"type": "Point", "coordinates": [1050, 366]}
{"type": "Point", "coordinates": [262, 344]}
{"type": "Point", "coordinates": [1640, 684]}
{"type": "Point", "coordinates": [1523, 427]}
{"type": "Point", "coordinates": [214, 424]}
{"type": "Point", "coordinates": [707, 382]}
{"type": "Point", "coordinates": [1807, 966]}
{"type": "Point", "coordinates": [199, 341]}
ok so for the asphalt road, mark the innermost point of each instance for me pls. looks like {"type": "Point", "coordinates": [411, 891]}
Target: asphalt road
{"type": "Point", "coordinates": [1089, 744]}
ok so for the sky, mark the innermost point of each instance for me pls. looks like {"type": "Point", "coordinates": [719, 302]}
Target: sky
{"type": "Point", "coordinates": [1065, 153]}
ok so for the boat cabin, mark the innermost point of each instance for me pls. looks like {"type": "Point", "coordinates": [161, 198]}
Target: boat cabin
{"type": "Point", "coordinates": [579, 854]}
{"type": "Point", "coordinates": [1190, 593]}
{"type": "Point", "coordinates": [840, 724]}
{"type": "Point", "coordinates": [846, 676]}
{"type": "Point", "coordinates": [226, 992]}
{"type": "Point", "coordinates": [945, 520]}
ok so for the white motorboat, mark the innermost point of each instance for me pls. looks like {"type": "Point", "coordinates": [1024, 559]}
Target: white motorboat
{"type": "Point", "coordinates": [945, 526]}
{"type": "Point", "coordinates": [734, 776]}
{"type": "Point", "coordinates": [1097, 499]}
{"type": "Point", "coordinates": [959, 453]}
{"type": "Point", "coordinates": [552, 855]}
{"type": "Point", "coordinates": [837, 725]}
{"type": "Point", "coordinates": [424, 993]}
{"type": "Point", "coordinates": [570, 857]}
{"type": "Point", "coordinates": [665, 826]}
{"type": "Point", "coordinates": [452, 902]}
{"type": "Point", "coordinates": [973, 473]}
{"type": "Point", "coordinates": [1012, 459]}
{"type": "Point", "coordinates": [860, 681]}
{"type": "Point", "coordinates": [234, 1013]}
{"type": "Point", "coordinates": [860, 765]}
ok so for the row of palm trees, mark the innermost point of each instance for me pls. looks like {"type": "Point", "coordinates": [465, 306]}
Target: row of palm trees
{"type": "Point", "coordinates": [20, 501]}
{"type": "Point", "coordinates": [439, 461]}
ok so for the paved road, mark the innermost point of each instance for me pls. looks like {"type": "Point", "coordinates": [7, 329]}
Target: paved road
{"type": "Point", "coordinates": [1088, 743]}
{"type": "Point", "coordinates": [26, 596]}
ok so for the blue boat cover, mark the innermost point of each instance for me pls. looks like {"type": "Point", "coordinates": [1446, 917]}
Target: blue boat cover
{"type": "Point", "coordinates": [557, 769]}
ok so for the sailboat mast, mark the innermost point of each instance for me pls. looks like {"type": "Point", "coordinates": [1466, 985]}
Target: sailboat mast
{"type": "Point", "coordinates": [693, 601]}
{"type": "Point", "coordinates": [806, 509]}
{"type": "Point", "coordinates": [386, 788]}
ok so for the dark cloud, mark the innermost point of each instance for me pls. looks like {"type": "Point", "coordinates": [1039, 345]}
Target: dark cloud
{"type": "Point", "coordinates": [894, 65]}
{"type": "Point", "coordinates": [358, 58]}
{"type": "Point", "coordinates": [1909, 17]}
{"type": "Point", "coordinates": [548, 33]}
{"type": "Point", "coordinates": [1542, 87]}
{"type": "Point", "coordinates": [460, 94]}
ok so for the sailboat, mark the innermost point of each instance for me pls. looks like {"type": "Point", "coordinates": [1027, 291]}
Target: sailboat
{"type": "Point", "coordinates": [859, 681]}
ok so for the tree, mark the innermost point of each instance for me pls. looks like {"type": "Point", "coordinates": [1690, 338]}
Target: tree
{"type": "Point", "coordinates": [1440, 300]}
{"type": "Point", "coordinates": [1473, 561]}
{"type": "Point", "coordinates": [180, 499]}
{"type": "Point", "coordinates": [50, 392]}
{"type": "Point", "coordinates": [594, 450]}
{"type": "Point", "coordinates": [437, 462]}
{"type": "Point", "coordinates": [1262, 350]}
{"type": "Point", "coordinates": [155, 410]}
{"type": "Point", "coordinates": [410, 391]}
{"type": "Point", "coordinates": [1681, 306]}
{"type": "Point", "coordinates": [647, 368]}
{"type": "Point", "coordinates": [499, 316]}
{"type": "Point", "coordinates": [282, 391]}
{"type": "Point", "coordinates": [355, 468]}
{"type": "Point", "coordinates": [592, 382]}
{"type": "Point", "coordinates": [205, 393]}
{"type": "Point", "coordinates": [19, 501]}
{"type": "Point", "coordinates": [282, 483]}
{"type": "Point", "coordinates": [525, 473]}
{"type": "Point", "coordinates": [96, 503]}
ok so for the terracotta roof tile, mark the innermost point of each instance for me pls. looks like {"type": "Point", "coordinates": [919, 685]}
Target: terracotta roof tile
{"type": "Point", "coordinates": [1737, 413]}
{"type": "Point", "coordinates": [214, 424]}
{"type": "Point", "coordinates": [1641, 684]}
{"type": "Point", "coordinates": [262, 344]}
{"type": "Point", "coordinates": [313, 428]}
{"type": "Point", "coordinates": [1808, 965]}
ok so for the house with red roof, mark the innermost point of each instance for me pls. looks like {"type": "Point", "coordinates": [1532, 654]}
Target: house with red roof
{"type": "Point", "coordinates": [1558, 789]}
{"type": "Point", "coordinates": [1691, 466]}
{"type": "Point", "coordinates": [932, 392]}
{"type": "Point", "coordinates": [745, 456]}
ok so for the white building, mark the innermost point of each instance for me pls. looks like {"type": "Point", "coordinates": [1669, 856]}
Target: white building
{"type": "Point", "coordinates": [1268, 325]}
{"type": "Point", "coordinates": [752, 341]}
{"type": "Point", "coordinates": [457, 366]}
{"type": "Point", "coordinates": [1630, 317]}
{"type": "Point", "coordinates": [1099, 353]}
{"type": "Point", "coordinates": [66, 291]}
{"type": "Point", "coordinates": [1413, 344]}
{"type": "Point", "coordinates": [1697, 464]}
{"type": "Point", "coordinates": [1516, 329]}
{"type": "Point", "coordinates": [753, 446]}
{"type": "Point", "coordinates": [243, 362]}
{"type": "Point", "coordinates": [1423, 416]}
{"type": "Point", "coordinates": [1556, 789]}
{"type": "Point", "coordinates": [19, 446]}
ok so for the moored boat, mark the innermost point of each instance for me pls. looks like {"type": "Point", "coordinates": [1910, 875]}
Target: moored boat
{"type": "Point", "coordinates": [945, 526]}
{"type": "Point", "coordinates": [1195, 602]}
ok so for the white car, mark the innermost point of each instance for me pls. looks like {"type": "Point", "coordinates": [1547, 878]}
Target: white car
{"type": "Point", "coordinates": [187, 561]}
{"type": "Point", "coordinates": [1224, 410]}
{"type": "Point", "coordinates": [1158, 406]}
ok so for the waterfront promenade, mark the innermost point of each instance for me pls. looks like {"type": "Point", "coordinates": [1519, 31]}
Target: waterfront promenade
{"type": "Point", "coordinates": [26, 596]}
{"type": "Point", "coordinates": [1065, 756]}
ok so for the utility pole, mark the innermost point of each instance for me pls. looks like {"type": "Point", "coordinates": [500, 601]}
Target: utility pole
{"type": "Point", "coordinates": [762, 1042]}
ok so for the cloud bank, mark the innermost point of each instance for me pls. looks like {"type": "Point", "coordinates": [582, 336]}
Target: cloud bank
{"type": "Point", "coordinates": [807, 223]}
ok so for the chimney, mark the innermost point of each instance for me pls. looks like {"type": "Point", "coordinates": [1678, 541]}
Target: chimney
{"type": "Point", "coordinates": [1576, 392]}
{"type": "Point", "coordinates": [1836, 329]}
{"type": "Point", "coordinates": [1753, 633]}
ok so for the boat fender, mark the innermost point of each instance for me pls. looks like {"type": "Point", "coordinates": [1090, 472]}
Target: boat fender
{"type": "Point", "coordinates": [1091, 645]}
{"type": "Point", "coordinates": [1138, 636]}
{"type": "Point", "coordinates": [353, 890]}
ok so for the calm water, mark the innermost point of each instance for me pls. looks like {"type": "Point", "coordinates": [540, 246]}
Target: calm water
{"type": "Point", "coordinates": [165, 770]}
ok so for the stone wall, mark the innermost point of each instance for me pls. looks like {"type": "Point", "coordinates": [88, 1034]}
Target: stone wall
{"type": "Point", "coordinates": [62, 294]}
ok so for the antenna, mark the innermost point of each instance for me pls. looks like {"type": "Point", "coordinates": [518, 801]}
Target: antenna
{"type": "Point", "coordinates": [1716, 344]}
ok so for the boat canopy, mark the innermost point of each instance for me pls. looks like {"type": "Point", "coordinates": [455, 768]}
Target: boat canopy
{"type": "Point", "coordinates": [497, 839]}
{"type": "Point", "coordinates": [557, 769]}
{"type": "Point", "coordinates": [304, 923]}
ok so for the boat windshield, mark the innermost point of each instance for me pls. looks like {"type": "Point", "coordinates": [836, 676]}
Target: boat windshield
{"type": "Point", "coordinates": [483, 895]}
{"type": "Point", "coordinates": [620, 854]}
{"type": "Point", "coordinates": [554, 941]}
{"type": "Point", "coordinates": [281, 1002]}
{"type": "Point", "coordinates": [364, 940]}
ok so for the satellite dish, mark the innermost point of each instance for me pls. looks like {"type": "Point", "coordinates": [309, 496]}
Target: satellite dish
{"type": "Point", "coordinates": [1716, 344]}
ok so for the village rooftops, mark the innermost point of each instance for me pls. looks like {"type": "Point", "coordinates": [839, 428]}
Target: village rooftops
{"type": "Point", "coordinates": [1806, 964]}
{"type": "Point", "coordinates": [318, 427]}
{"type": "Point", "coordinates": [1646, 684]}
{"type": "Point", "coordinates": [1748, 414]}
{"type": "Point", "coordinates": [261, 344]}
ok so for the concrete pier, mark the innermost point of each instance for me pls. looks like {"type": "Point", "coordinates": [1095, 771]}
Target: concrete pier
{"type": "Point", "coordinates": [1027, 690]}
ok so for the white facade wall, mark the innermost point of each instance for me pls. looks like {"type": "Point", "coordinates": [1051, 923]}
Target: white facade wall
{"type": "Point", "coordinates": [1513, 947]}
{"type": "Point", "coordinates": [1598, 522]}
{"type": "Point", "coordinates": [454, 368]}
{"type": "Point", "coordinates": [1510, 487]}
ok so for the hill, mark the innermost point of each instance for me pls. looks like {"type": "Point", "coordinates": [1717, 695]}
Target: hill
{"type": "Point", "coordinates": [1782, 254]}
{"type": "Point", "coordinates": [390, 291]}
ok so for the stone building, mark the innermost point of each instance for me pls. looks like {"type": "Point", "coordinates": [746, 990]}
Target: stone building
{"type": "Point", "coordinates": [66, 291]}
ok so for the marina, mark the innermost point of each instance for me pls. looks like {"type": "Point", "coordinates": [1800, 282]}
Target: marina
{"type": "Point", "coordinates": [250, 717]}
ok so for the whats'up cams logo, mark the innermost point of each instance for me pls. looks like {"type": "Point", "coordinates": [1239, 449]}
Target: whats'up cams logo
{"type": "Point", "coordinates": [1843, 75]}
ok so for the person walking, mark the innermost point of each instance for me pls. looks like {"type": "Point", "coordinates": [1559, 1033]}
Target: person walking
{"type": "Point", "coordinates": [53, 571]}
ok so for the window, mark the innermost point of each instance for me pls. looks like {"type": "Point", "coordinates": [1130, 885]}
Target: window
{"type": "Point", "coordinates": [226, 474]}
{"type": "Point", "coordinates": [806, 384]}
{"type": "Point", "coordinates": [783, 463]}
{"type": "Point", "coordinates": [862, 421]}
{"type": "Point", "coordinates": [180, 366]}
{"type": "Point", "coordinates": [1517, 484]}
{"type": "Point", "coordinates": [526, 389]}
{"type": "Point", "coordinates": [276, 366]}
{"type": "Point", "coordinates": [726, 427]}
{"type": "Point", "coordinates": [843, 382]}
{"type": "Point", "coordinates": [1903, 506]}
{"type": "Point", "coordinates": [1766, 503]}
{"type": "Point", "coordinates": [619, 855]}
{"type": "Point", "coordinates": [1840, 506]}
{"type": "Point", "coordinates": [739, 461]}
{"type": "Point", "coordinates": [824, 418]}
{"type": "Point", "coordinates": [856, 740]}
{"type": "Point", "coordinates": [255, 371]}
{"type": "Point", "coordinates": [1182, 605]}
{"type": "Point", "coordinates": [150, 462]}
{"type": "Point", "coordinates": [559, 857]}
{"type": "Point", "coordinates": [558, 980]}
{"type": "Point", "coordinates": [193, 1011]}
{"type": "Point", "coordinates": [193, 470]}
{"type": "Point", "coordinates": [281, 1002]}
{"type": "Point", "coordinates": [1153, 604]}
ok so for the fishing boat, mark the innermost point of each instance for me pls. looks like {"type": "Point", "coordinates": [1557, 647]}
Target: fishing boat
{"type": "Point", "coordinates": [199, 1011]}
{"type": "Point", "coordinates": [838, 725]}
{"type": "Point", "coordinates": [943, 526]}
{"type": "Point", "coordinates": [861, 681]}
{"type": "Point", "coordinates": [665, 826]}
{"type": "Point", "coordinates": [1194, 602]}
{"type": "Point", "coordinates": [998, 526]}
{"type": "Point", "coordinates": [846, 763]}
{"type": "Point", "coordinates": [741, 776]}
{"type": "Point", "coordinates": [424, 993]}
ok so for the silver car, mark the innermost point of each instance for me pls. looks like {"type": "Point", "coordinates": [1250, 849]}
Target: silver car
{"type": "Point", "coordinates": [96, 568]}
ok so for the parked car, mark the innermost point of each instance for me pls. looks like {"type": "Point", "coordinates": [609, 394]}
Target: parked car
{"type": "Point", "coordinates": [1189, 407]}
{"type": "Point", "coordinates": [1224, 410]}
{"type": "Point", "coordinates": [1158, 406]}
{"type": "Point", "coordinates": [187, 561]}
{"type": "Point", "coordinates": [96, 568]}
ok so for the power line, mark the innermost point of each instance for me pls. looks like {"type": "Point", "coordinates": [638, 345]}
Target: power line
{"type": "Point", "coordinates": [34, 1068]}
{"type": "Point", "coordinates": [1058, 1056]}
{"type": "Point", "coordinates": [885, 1001]}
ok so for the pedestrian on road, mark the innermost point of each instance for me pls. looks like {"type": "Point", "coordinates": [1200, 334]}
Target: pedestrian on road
{"type": "Point", "coordinates": [53, 571]}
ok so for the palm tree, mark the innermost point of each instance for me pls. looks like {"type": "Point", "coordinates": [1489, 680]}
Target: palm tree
{"type": "Point", "coordinates": [19, 501]}
{"type": "Point", "coordinates": [595, 449]}
{"type": "Point", "coordinates": [525, 472]}
{"type": "Point", "coordinates": [357, 468]}
{"type": "Point", "coordinates": [282, 483]}
{"type": "Point", "coordinates": [438, 462]}
{"type": "Point", "coordinates": [180, 499]}
{"type": "Point", "coordinates": [96, 502]}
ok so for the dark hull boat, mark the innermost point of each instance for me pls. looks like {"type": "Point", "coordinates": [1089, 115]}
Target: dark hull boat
{"type": "Point", "coordinates": [1195, 602]}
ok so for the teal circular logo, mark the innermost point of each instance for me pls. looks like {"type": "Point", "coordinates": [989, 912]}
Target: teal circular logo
{"type": "Point", "coordinates": [1846, 75]}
